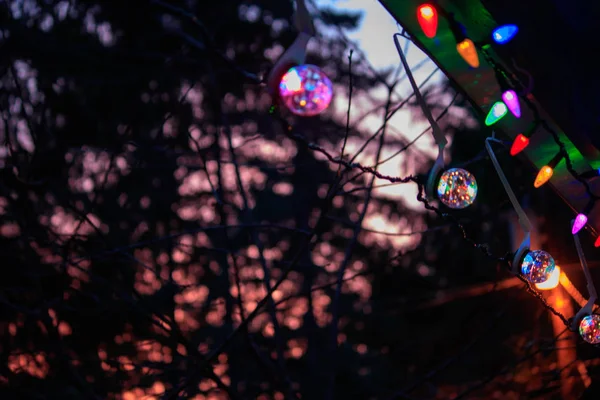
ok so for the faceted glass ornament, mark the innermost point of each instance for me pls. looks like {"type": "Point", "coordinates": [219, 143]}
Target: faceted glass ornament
{"type": "Point", "coordinates": [537, 266]}
{"type": "Point", "coordinates": [305, 90]}
{"type": "Point", "coordinates": [457, 188]}
{"type": "Point", "coordinates": [589, 328]}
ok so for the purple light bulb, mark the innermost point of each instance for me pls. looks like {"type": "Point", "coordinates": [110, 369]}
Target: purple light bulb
{"type": "Point", "coordinates": [579, 223]}
{"type": "Point", "coordinates": [511, 100]}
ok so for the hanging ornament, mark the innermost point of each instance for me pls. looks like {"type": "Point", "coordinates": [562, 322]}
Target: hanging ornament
{"type": "Point", "coordinates": [428, 19]}
{"type": "Point", "coordinates": [457, 188]}
{"type": "Point", "coordinates": [537, 266]}
{"type": "Point", "coordinates": [497, 112]}
{"type": "Point", "coordinates": [547, 171]}
{"type": "Point", "coordinates": [504, 34]}
{"type": "Point", "coordinates": [589, 328]}
{"type": "Point", "coordinates": [306, 90]}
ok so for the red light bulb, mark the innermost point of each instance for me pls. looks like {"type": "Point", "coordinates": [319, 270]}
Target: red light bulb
{"type": "Point", "coordinates": [428, 19]}
{"type": "Point", "coordinates": [597, 243]}
{"type": "Point", "coordinates": [521, 141]}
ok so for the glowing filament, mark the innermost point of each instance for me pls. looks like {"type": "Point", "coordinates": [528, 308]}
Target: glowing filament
{"type": "Point", "coordinates": [552, 281]}
{"type": "Point", "coordinates": [512, 102]}
{"type": "Point", "coordinates": [468, 52]}
{"type": "Point", "coordinates": [428, 19]}
{"type": "Point", "coordinates": [498, 111]}
{"type": "Point", "coordinates": [543, 176]}
{"type": "Point", "coordinates": [579, 223]}
{"type": "Point", "coordinates": [521, 141]}
{"type": "Point", "coordinates": [291, 81]}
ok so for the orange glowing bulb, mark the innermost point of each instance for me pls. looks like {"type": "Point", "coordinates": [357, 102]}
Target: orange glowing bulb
{"type": "Point", "coordinates": [468, 52]}
{"type": "Point", "coordinates": [552, 281]}
{"type": "Point", "coordinates": [543, 176]}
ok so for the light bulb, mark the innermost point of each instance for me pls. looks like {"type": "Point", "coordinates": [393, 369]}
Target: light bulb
{"type": "Point", "coordinates": [589, 328]}
{"type": "Point", "coordinates": [511, 100]}
{"type": "Point", "coordinates": [496, 113]}
{"type": "Point", "coordinates": [521, 141]}
{"type": "Point", "coordinates": [428, 19]}
{"type": "Point", "coordinates": [503, 34]}
{"type": "Point", "coordinates": [468, 52]}
{"type": "Point", "coordinates": [457, 188]}
{"type": "Point", "coordinates": [537, 266]}
{"type": "Point", "coordinates": [543, 176]}
{"type": "Point", "coordinates": [305, 90]}
{"type": "Point", "coordinates": [597, 242]}
{"type": "Point", "coordinates": [579, 223]}
{"type": "Point", "coordinates": [552, 282]}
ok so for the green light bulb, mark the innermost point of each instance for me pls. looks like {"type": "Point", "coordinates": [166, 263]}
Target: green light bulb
{"type": "Point", "coordinates": [498, 111]}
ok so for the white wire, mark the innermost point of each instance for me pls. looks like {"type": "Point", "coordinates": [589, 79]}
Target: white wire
{"type": "Point", "coordinates": [523, 219]}
{"type": "Point", "coordinates": [438, 135]}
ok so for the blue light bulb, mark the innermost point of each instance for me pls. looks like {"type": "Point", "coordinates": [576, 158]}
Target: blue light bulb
{"type": "Point", "coordinates": [504, 33]}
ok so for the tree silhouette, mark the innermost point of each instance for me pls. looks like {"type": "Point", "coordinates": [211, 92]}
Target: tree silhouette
{"type": "Point", "coordinates": [170, 231]}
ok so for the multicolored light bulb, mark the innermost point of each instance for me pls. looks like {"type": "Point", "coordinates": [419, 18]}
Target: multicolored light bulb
{"type": "Point", "coordinates": [552, 282]}
{"type": "Point", "coordinates": [466, 49]}
{"type": "Point", "coordinates": [537, 266]}
{"type": "Point", "coordinates": [511, 100]}
{"type": "Point", "coordinates": [428, 19]}
{"type": "Point", "coordinates": [589, 328]}
{"type": "Point", "coordinates": [496, 113]}
{"type": "Point", "coordinates": [457, 188]}
{"type": "Point", "coordinates": [520, 143]}
{"type": "Point", "coordinates": [579, 223]}
{"type": "Point", "coordinates": [503, 34]}
{"type": "Point", "coordinates": [543, 176]}
{"type": "Point", "coordinates": [305, 90]}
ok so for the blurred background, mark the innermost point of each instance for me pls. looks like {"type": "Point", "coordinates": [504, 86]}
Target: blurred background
{"type": "Point", "coordinates": [151, 197]}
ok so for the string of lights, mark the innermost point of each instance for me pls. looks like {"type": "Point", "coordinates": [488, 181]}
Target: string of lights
{"type": "Point", "coordinates": [428, 16]}
{"type": "Point", "coordinates": [306, 91]}
{"type": "Point", "coordinates": [536, 266]}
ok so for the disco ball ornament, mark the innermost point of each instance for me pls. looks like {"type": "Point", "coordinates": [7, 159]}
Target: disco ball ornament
{"type": "Point", "coordinates": [305, 90]}
{"type": "Point", "coordinates": [589, 328]}
{"type": "Point", "coordinates": [537, 266]}
{"type": "Point", "coordinates": [457, 188]}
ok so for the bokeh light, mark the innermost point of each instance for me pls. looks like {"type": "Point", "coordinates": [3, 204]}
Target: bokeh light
{"type": "Point", "coordinates": [552, 282]}
{"type": "Point", "coordinates": [305, 90]}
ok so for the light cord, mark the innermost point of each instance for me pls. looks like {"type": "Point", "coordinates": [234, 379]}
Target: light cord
{"type": "Point", "coordinates": [587, 309]}
{"type": "Point", "coordinates": [523, 219]}
{"type": "Point", "coordinates": [438, 135]}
